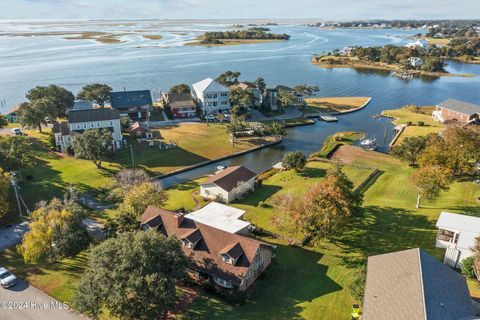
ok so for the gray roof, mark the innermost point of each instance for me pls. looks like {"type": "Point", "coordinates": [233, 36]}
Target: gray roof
{"type": "Point", "coordinates": [460, 106]}
{"type": "Point", "coordinates": [413, 285]}
{"type": "Point", "coordinates": [91, 115]}
{"type": "Point", "coordinates": [130, 99]}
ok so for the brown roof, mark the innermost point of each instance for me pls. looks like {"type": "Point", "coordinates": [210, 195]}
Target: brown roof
{"type": "Point", "coordinates": [212, 242]}
{"type": "Point", "coordinates": [240, 85]}
{"type": "Point", "coordinates": [180, 100]}
{"type": "Point", "coordinates": [229, 178]}
{"type": "Point", "coordinates": [62, 128]}
{"type": "Point", "coordinates": [413, 285]}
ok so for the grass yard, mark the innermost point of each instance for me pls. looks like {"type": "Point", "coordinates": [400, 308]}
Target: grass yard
{"type": "Point", "coordinates": [196, 143]}
{"type": "Point", "coordinates": [411, 116]}
{"type": "Point", "coordinates": [312, 283]}
{"type": "Point", "coordinates": [437, 41]}
{"type": "Point", "coordinates": [339, 138]}
{"type": "Point", "coordinates": [336, 104]}
{"type": "Point", "coordinates": [55, 279]}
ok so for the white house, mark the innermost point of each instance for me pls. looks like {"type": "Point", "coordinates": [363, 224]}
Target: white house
{"type": "Point", "coordinates": [415, 61]}
{"type": "Point", "coordinates": [422, 43]}
{"type": "Point", "coordinates": [81, 120]}
{"type": "Point", "coordinates": [457, 233]}
{"type": "Point", "coordinates": [222, 217]}
{"type": "Point", "coordinates": [211, 96]}
{"type": "Point", "coordinates": [228, 184]}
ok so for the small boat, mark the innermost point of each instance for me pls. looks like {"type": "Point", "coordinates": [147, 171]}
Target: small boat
{"type": "Point", "coordinates": [221, 168]}
{"type": "Point", "coordinates": [368, 144]}
{"type": "Point", "coordinates": [328, 118]}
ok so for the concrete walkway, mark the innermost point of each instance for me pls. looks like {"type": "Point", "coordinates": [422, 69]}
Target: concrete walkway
{"type": "Point", "coordinates": [290, 113]}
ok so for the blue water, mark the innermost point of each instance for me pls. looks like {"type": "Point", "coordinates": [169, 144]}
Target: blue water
{"type": "Point", "coordinates": [144, 64]}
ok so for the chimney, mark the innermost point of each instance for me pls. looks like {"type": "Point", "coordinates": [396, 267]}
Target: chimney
{"type": "Point", "coordinates": [179, 218]}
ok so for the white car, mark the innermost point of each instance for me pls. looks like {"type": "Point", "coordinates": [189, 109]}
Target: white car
{"type": "Point", "coordinates": [7, 279]}
{"type": "Point", "coordinates": [16, 131]}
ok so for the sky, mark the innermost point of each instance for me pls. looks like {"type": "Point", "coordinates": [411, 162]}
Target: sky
{"type": "Point", "coordinates": [239, 9]}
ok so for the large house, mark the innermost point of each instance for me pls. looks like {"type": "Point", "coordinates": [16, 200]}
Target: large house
{"type": "Point", "coordinates": [420, 43]}
{"type": "Point", "coordinates": [211, 96]}
{"type": "Point", "coordinates": [180, 104]}
{"type": "Point", "coordinates": [134, 104]}
{"type": "Point", "coordinates": [456, 110]}
{"type": "Point", "coordinates": [81, 120]}
{"type": "Point", "coordinates": [271, 95]}
{"type": "Point", "coordinates": [227, 184]}
{"type": "Point", "coordinates": [257, 94]}
{"type": "Point", "coordinates": [222, 217]}
{"type": "Point", "coordinates": [413, 285]}
{"type": "Point", "coordinates": [457, 234]}
{"type": "Point", "coordinates": [229, 260]}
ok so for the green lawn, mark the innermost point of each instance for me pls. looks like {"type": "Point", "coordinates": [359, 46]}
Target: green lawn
{"type": "Point", "coordinates": [408, 114]}
{"type": "Point", "coordinates": [347, 137]}
{"type": "Point", "coordinates": [336, 104]}
{"type": "Point", "coordinates": [312, 283]}
{"type": "Point", "coordinates": [196, 143]}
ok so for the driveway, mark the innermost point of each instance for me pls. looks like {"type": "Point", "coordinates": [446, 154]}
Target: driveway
{"type": "Point", "coordinates": [24, 302]}
{"type": "Point", "coordinates": [12, 235]}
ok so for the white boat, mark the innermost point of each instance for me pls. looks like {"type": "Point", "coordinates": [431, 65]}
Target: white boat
{"type": "Point", "coordinates": [369, 144]}
{"type": "Point", "coordinates": [328, 118]}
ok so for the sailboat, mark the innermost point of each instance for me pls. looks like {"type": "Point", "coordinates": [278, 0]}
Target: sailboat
{"type": "Point", "coordinates": [369, 143]}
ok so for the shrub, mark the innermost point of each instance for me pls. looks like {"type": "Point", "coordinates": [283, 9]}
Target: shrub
{"type": "Point", "coordinates": [294, 160]}
{"type": "Point", "coordinates": [357, 287]}
{"type": "Point", "coordinates": [467, 267]}
{"type": "Point", "coordinates": [409, 123]}
{"type": "Point", "coordinates": [421, 123]}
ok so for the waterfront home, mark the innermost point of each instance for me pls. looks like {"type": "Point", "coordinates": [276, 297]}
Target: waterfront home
{"type": "Point", "coordinates": [420, 43]}
{"type": "Point", "coordinates": [229, 260]}
{"type": "Point", "coordinates": [456, 110]}
{"type": "Point", "coordinates": [180, 104]}
{"type": "Point", "coordinates": [211, 96]}
{"type": "Point", "coordinates": [222, 217]}
{"type": "Point", "coordinates": [270, 99]}
{"type": "Point", "coordinates": [255, 91]}
{"type": "Point", "coordinates": [346, 51]}
{"type": "Point", "coordinates": [12, 114]}
{"type": "Point", "coordinates": [413, 285]}
{"type": "Point", "coordinates": [81, 120]}
{"type": "Point", "coordinates": [415, 61]}
{"type": "Point", "coordinates": [228, 184]}
{"type": "Point", "coordinates": [134, 104]}
{"type": "Point", "coordinates": [457, 234]}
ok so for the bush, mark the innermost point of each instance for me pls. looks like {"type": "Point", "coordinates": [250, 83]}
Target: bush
{"type": "Point", "coordinates": [294, 160]}
{"type": "Point", "coordinates": [263, 204]}
{"type": "Point", "coordinates": [467, 267]}
{"type": "Point", "coordinates": [421, 123]}
{"type": "Point", "coordinates": [357, 287]}
{"type": "Point", "coordinates": [409, 123]}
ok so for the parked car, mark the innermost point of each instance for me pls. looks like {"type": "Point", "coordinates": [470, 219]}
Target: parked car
{"type": "Point", "coordinates": [16, 131]}
{"type": "Point", "coordinates": [7, 279]}
{"type": "Point", "coordinates": [210, 117]}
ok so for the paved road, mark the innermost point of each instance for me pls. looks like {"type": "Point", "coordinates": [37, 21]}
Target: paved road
{"type": "Point", "coordinates": [24, 302]}
{"type": "Point", "coordinates": [12, 235]}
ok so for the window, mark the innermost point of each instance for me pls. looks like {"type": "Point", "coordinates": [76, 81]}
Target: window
{"type": "Point", "coordinates": [224, 102]}
{"type": "Point", "coordinates": [228, 259]}
{"type": "Point", "coordinates": [85, 126]}
{"type": "Point", "coordinates": [223, 283]}
{"type": "Point", "coordinates": [98, 124]}
{"type": "Point", "coordinates": [215, 96]}
{"type": "Point", "coordinates": [91, 124]}
{"type": "Point", "coordinates": [215, 103]}
{"type": "Point", "coordinates": [111, 123]}
{"type": "Point", "coordinates": [224, 94]}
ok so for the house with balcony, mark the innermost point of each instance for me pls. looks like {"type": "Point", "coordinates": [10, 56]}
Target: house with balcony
{"type": "Point", "coordinates": [135, 104]}
{"type": "Point", "coordinates": [180, 104]}
{"type": "Point", "coordinates": [453, 110]}
{"type": "Point", "coordinates": [81, 120]}
{"type": "Point", "coordinates": [211, 97]}
{"type": "Point", "coordinates": [229, 260]}
{"type": "Point", "coordinates": [457, 233]}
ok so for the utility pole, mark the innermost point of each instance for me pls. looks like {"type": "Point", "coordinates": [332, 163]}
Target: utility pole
{"type": "Point", "coordinates": [131, 154]}
{"type": "Point", "coordinates": [17, 196]}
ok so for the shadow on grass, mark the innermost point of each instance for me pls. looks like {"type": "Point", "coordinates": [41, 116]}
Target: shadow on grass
{"type": "Point", "coordinates": [294, 277]}
{"type": "Point", "coordinates": [262, 193]}
{"type": "Point", "coordinates": [382, 230]}
{"type": "Point", "coordinates": [312, 173]}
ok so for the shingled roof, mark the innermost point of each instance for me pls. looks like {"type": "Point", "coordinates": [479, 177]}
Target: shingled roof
{"type": "Point", "coordinates": [413, 285]}
{"type": "Point", "coordinates": [460, 106]}
{"type": "Point", "coordinates": [211, 244]}
{"type": "Point", "coordinates": [91, 115]}
{"type": "Point", "coordinates": [130, 99]}
{"type": "Point", "coordinates": [229, 178]}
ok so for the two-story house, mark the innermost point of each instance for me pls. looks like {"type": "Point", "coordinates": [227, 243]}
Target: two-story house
{"type": "Point", "coordinates": [135, 104]}
{"type": "Point", "coordinates": [453, 110]}
{"type": "Point", "coordinates": [181, 104]}
{"type": "Point", "coordinates": [211, 96]}
{"type": "Point", "coordinates": [229, 260]}
{"type": "Point", "coordinates": [81, 120]}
